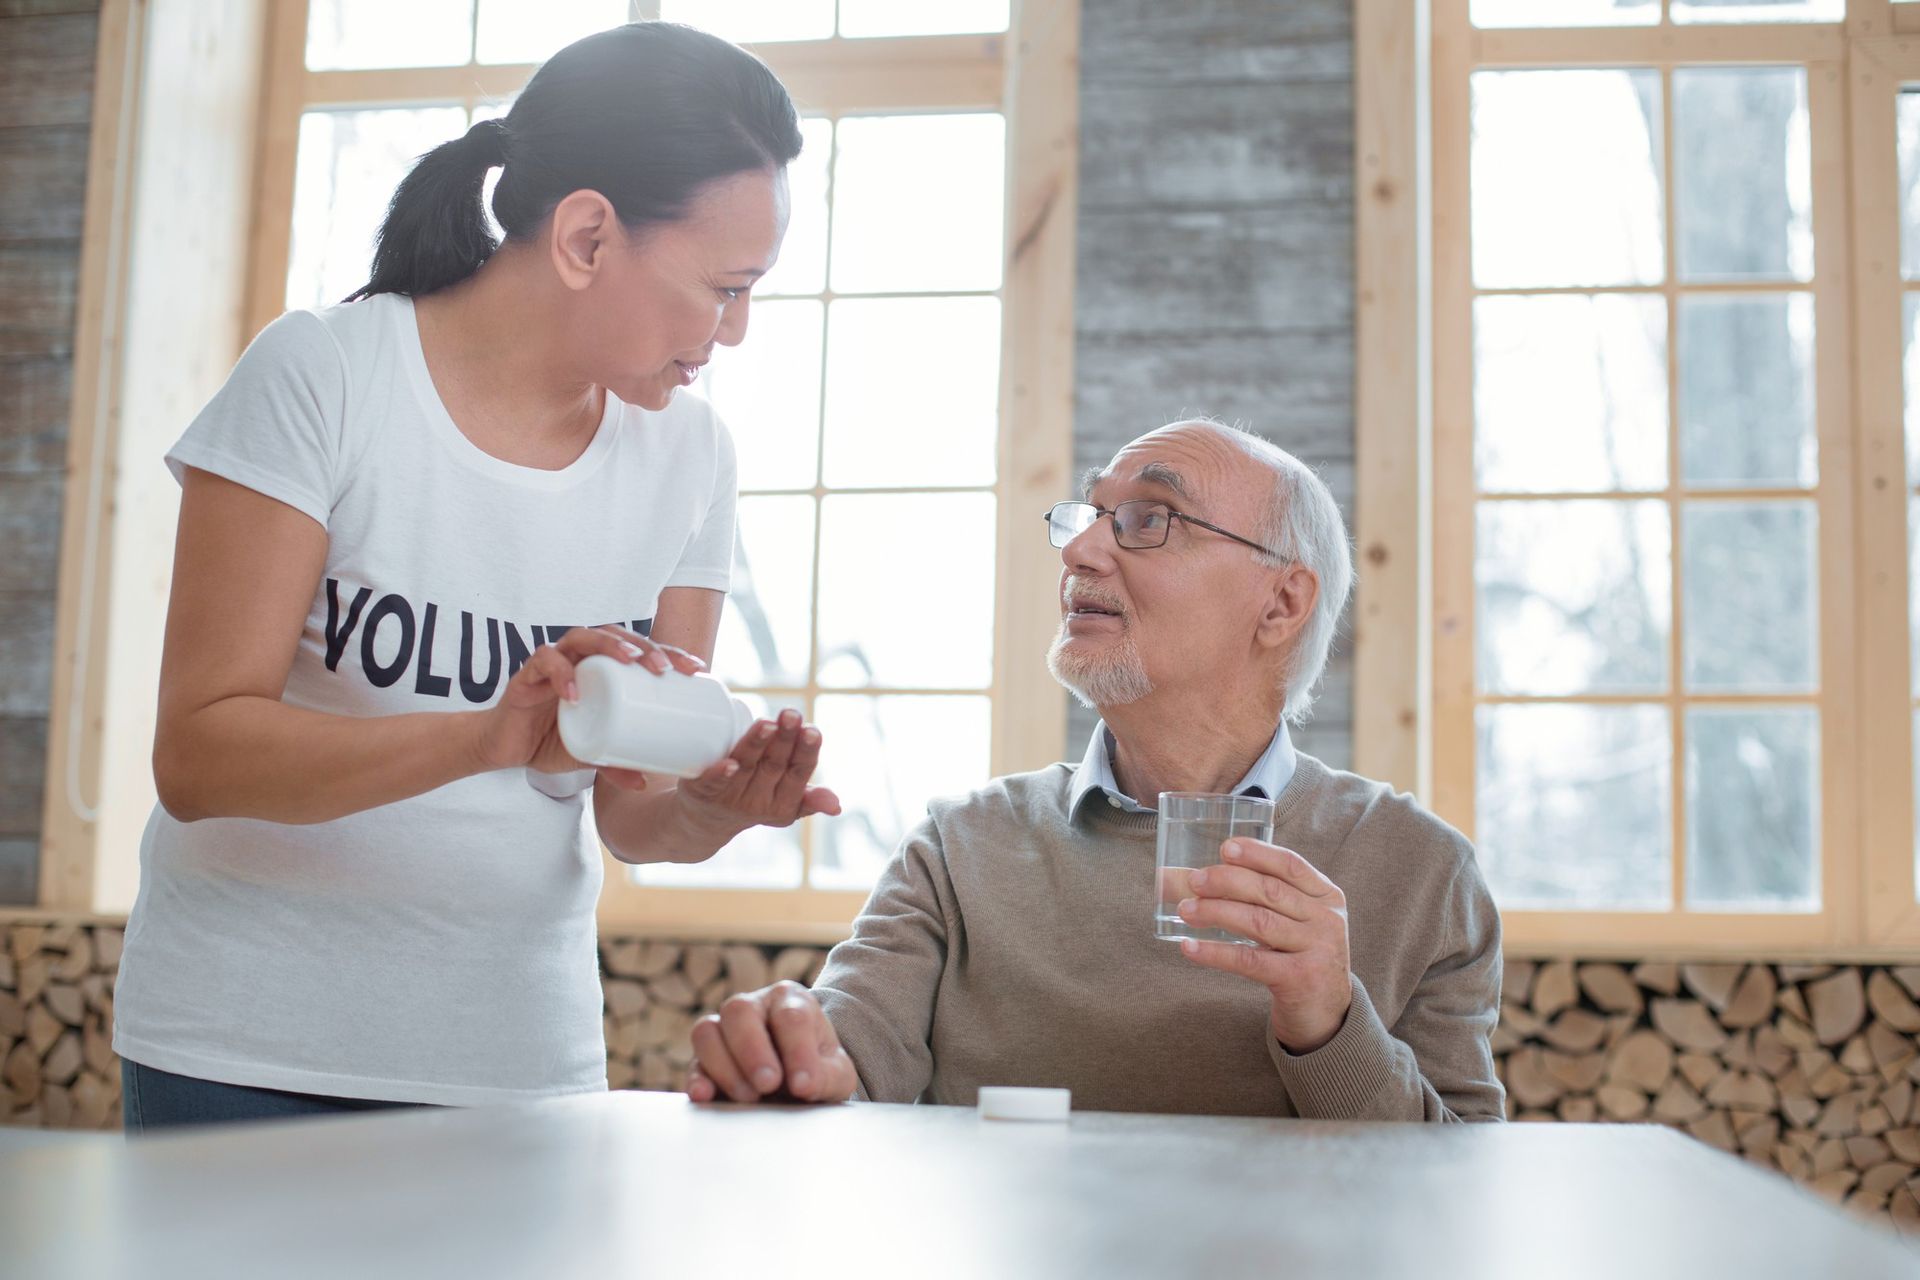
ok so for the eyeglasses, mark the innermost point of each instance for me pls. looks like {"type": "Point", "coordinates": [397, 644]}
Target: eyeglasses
{"type": "Point", "coordinates": [1140, 525]}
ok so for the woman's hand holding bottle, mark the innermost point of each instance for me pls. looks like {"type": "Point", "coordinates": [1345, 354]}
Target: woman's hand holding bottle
{"type": "Point", "coordinates": [523, 728]}
{"type": "Point", "coordinates": [763, 781]}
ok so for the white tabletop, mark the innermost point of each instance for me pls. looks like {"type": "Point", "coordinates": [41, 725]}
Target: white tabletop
{"type": "Point", "coordinates": [633, 1184]}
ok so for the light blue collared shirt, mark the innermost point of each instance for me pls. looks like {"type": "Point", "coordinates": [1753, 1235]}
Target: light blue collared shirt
{"type": "Point", "coordinates": [1267, 779]}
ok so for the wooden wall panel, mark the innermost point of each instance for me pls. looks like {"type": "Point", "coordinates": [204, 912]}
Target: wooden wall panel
{"type": "Point", "coordinates": [46, 69]}
{"type": "Point", "coordinates": [1215, 265]}
{"type": "Point", "coordinates": [46, 182]}
{"type": "Point", "coordinates": [34, 395]}
{"type": "Point", "coordinates": [38, 282]}
{"type": "Point", "coordinates": [26, 638]}
{"type": "Point", "coordinates": [23, 748]}
{"type": "Point", "coordinates": [46, 94]}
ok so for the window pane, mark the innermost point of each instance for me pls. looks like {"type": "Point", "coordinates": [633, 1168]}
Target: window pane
{"type": "Point", "coordinates": [1759, 10]}
{"type": "Point", "coordinates": [906, 590]}
{"type": "Point", "coordinates": [535, 30]}
{"type": "Point", "coordinates": [1570, 393]}
{"type": "Point", "coordinates": [1751, 597]}
{"type": "Point", "coordinates": [357, 34]}
{"type": "Point", "coordinates": [921, 17]}
{"type": "Point", "coordinates": [1574, 597]}
{"type": "Point", "coordinates": [348, 166]}
{"type": "Point", "coordinates": [1753, 809]}
{"type": "Point", "coordinates": [1574, 807]}
{"type": "Point", "coordinates": [885, 758]}
{"type": "Point", "coordinates": [768, 391]}
{"type": "Point", "coordinates": [917, 203]}
{"type": "Point", "coordinates": [1746, 390]}
{"type": "Point", "coordinates": [766, 625]}
{"type": "Point", "coordinates": [802, 267]}
{"type": "Point", "coordinates": [1909, 135]}
{"type": "Point", "coordinates": [941, 356]}
{"type": "Point", "coordinates": [1910, 368]}
{"type": "Point", "coordinates": [1565, 13]}
{"type": "Point", "coordinates": [757, 858]}
{"type": "Point", "coordinates": [1566, 178]}
{"type": "Point", "coordinates": [1742, 182]}
{"type": "Point", "coordinates": [749, 20]}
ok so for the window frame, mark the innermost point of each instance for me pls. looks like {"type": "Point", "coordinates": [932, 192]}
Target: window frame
{"type": "Point", "coordinates": [1415, 719]}
{"type": "Point", "coordinates": [1878, 66]}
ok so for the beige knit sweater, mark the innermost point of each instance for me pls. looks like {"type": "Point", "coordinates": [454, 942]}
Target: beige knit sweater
{"type": "Point", "coordinates": [1011, 943]}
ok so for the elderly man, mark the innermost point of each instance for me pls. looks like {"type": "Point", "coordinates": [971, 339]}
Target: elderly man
{"type": "Point", "coordinates": [1010, 940]}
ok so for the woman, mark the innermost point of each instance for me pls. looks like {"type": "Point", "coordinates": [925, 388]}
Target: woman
{"type": "Point", "coordinates": [369, 881]}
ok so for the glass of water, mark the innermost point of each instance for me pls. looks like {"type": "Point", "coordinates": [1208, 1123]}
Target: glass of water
{"type": "Point", "coordinates": [1193, 826]}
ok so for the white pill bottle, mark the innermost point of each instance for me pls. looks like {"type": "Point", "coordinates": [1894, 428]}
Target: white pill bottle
{"type": "Point", "coordinates": [630, 718]}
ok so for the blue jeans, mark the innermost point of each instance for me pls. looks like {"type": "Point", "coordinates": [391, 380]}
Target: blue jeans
{"type": "Point", "coordinates": [153, 1099]}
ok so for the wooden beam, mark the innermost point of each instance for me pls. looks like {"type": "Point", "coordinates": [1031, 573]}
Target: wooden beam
{"type": "Point", "coordinates": [1639, 935]}
{"type": "Point", "coordinates": [1452, 524]}
{"type": "Point", "coordinates": [1880, 534]}
{"type": "Point", "coordinates": [814, 916]}
{"type": "Point", "coordinates": [830, 77]}
{"type": "Point", "coordinates": [1392, 391]}
{"type": "Point", "coordinates": [270, 230]}
{"type": "Point", "coordinates": [1785, 42]}
{"type": "Point", "coordinates": [1839, 853]}
{"type": "Point", "coordinates": [910, 73]}
{"type": "Point", "coordinates": [1757, 700]}
{"type": "Point", "coordinates": [1036, 375]}
{"type": "Point", "coordinates": [1880, 17]}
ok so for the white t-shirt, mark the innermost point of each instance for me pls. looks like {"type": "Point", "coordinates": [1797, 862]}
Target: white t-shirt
{"type": "Point", "coordinates": [440, 949]}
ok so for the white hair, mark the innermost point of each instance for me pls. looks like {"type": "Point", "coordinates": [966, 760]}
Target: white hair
{"type": "Point", "coordinates": [1301, 524]}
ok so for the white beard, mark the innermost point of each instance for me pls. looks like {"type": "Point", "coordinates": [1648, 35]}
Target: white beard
{"type": "Point", "coordinates": [1112, 677]}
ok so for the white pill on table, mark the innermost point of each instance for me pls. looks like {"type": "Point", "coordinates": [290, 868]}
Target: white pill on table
{"type": "Point", "coordinates": [1001, 1102]}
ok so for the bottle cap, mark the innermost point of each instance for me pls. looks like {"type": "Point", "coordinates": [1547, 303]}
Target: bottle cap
{"type": "Point", "coordinates": [1002, 1102]}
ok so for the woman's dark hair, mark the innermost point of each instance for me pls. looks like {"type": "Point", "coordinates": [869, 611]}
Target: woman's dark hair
{"type": "Point", "coordinates": [645, 114]}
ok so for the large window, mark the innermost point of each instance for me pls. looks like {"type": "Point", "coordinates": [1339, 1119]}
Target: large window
{"type": "Point", "coordinates": [1653, 565]}
{"type": "Point", "coordinates": [866, 403]}
{"type": "Point", "coordinates": [873, 412]}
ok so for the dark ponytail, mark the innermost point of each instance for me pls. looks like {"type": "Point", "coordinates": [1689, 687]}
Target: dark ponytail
{"type": "Point", "coordinates": [436, 228]}
{"type": "Point", "coordinates": [645, 114]}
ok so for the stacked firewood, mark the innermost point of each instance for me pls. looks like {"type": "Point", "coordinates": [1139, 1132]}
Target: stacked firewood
{"type": "Point", "coordinates": [58, 1069]}
{"type": "Point", "coordinates": [655, 991]}
{"type": "Point", "coordinates": [57, 1066]}
{"type": "Point", "coordinates": [1812, 1069]}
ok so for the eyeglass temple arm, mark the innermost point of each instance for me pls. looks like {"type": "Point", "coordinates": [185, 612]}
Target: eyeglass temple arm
{"type": "Point", "coordinates": [1225, 533]}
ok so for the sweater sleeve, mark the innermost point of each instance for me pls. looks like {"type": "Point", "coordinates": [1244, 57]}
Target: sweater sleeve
{"type": "Point", "coordinates": [879, 986]}
{"type": "Point", "coordinates": [1436, 1062]}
